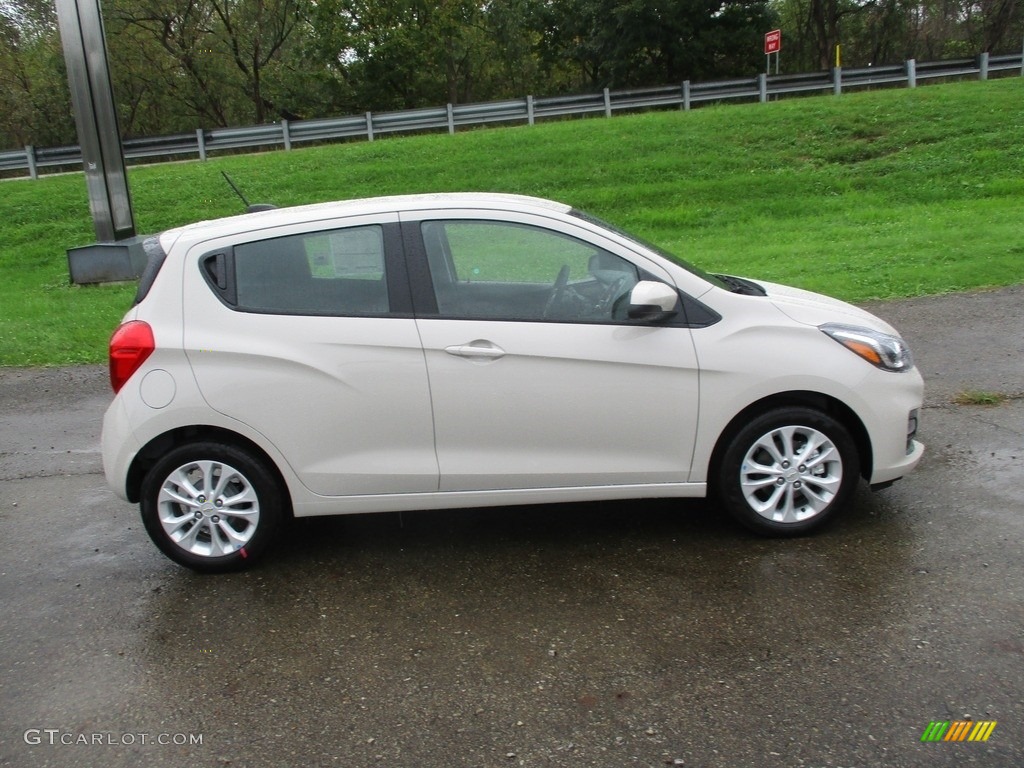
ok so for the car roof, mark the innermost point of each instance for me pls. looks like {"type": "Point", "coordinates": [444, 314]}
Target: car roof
{"type": "Point", "coordinates": [205, 230]}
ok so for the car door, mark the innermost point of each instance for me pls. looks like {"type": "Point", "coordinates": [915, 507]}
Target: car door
{"type": "Point", "coordinates": [538, 379]}
{"type": "Point", "coordinates": [306, 335]}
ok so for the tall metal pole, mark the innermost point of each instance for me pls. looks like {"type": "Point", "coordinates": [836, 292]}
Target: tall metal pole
{"type": "Point", "coordinates": [92, 96]}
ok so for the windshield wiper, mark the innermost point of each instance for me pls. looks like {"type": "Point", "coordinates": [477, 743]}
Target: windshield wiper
{"type": "Point", "coordinates": [739, 285]}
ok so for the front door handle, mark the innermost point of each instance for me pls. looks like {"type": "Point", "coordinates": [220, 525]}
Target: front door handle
{"type": "Point", "coordinates": [480, 350]}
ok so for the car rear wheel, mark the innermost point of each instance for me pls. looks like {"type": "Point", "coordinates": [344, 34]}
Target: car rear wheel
{"type": "Point", "coordinates": [788, 471]}
{"type": "Point", "coordinates": [211, 507]}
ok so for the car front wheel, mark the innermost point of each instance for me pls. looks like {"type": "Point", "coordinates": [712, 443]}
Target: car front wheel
{"type": "Point", "coordinates": [788, 471]}
{"type": "Point", "coordinates": [211, 507]}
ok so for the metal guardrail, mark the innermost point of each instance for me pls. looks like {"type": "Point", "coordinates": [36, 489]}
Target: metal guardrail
{"type": "Point", "coordinates": [530, 109]}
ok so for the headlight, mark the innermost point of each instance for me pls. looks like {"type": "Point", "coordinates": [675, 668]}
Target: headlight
{"type": "Point", "coordinates": [883, 350]}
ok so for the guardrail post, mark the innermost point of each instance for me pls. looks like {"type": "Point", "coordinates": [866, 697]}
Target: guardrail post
{"type": "Point", "coordinates": [30, 157]}
{"type": "Point", "coordinates": [686, 95]}
{"type": "Point", "coordinates": [369, 126]}
{"type": "Point", "coordinates": [911, 73]}
{"type": "Point", "coordinates": [451, 120]}
{"type": "Point", "coordinates": [529, 110]}
{"type": "Point", "coordinates": [983, 66]}
{"type": "Point", "coordinates": [762, 87]}
{"type": "Point", "coordinates": [201, 143]}
{"type": "Point", "coordinates": [286, 133]}
{"type": "Point", "coordinates": [837, 81]}
{"type": "Point", "coordinates": [607, 103]}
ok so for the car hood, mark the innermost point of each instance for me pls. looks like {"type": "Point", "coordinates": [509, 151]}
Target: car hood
{"type": "Point", "coordinates": [814, 308]}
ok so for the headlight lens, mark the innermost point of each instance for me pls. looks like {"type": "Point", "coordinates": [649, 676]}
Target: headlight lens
{"type": "Point", "coordinates": [883, 350]}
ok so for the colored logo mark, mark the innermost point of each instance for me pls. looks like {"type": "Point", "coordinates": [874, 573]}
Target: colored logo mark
{"type": "Point", "coordinates": [958, 730]}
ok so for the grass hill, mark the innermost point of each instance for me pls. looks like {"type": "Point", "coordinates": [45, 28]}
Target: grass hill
{"type": "Point", "coordinates": [868, 195]}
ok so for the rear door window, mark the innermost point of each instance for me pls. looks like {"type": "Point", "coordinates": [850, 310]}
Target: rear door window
{"type": "Point", "coordinates": [334, 272]}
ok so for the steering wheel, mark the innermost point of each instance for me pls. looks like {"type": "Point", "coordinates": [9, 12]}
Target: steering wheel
{"type": "Point", "coordinates": [557, 290]}
{"type": "Point", "coordinates": [606, 304]}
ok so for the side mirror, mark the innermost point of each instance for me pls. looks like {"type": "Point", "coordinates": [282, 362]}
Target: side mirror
{"type": "Point", "coordinates": [652, 301]}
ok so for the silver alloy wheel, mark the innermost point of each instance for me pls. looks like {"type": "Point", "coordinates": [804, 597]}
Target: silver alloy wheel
{"type": "Point", "coordinates": [208, 508]}
{"type": "Point", "coordinates": [791, 474]}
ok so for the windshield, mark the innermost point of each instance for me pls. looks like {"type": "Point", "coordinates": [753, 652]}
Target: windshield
{"type": "Point", "coordinates": [714, 280]}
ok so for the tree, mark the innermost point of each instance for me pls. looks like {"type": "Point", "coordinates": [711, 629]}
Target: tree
{"type": "Point", "coordinates": [255, 31]}
{"type": "Point", "coordinates": [210, 49]}
{"type": "Point", "coordinates": [994, 20]}
{"type": "Point", "coordinates": [184, 68]}
{"type": "Point", "coordinates": [182, 64]}
{"type": "Point", "coordinates": [619, 43]}
{"type": "Point", "coordinates": [408, 53]}
{"type": "Point", "coordinates": [35, 106]}
{"type": "Point", "coordinates": [891, 31]}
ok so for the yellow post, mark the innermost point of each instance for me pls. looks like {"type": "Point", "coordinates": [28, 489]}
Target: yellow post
{"type": "Point", "coordinates": [838, 62]}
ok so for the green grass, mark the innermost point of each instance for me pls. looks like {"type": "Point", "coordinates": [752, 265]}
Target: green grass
{"type": "Point", "coordinates": [870, 195]}
{"type": "Point", "coordinates": [975, 397]}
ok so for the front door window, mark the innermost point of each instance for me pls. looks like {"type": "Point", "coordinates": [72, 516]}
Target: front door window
{"type": "Point", "coordinates": [509, 271]}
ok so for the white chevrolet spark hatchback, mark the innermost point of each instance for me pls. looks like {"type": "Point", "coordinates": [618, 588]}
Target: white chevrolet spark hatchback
{"type": "Point", "coordinates": [472, 350]}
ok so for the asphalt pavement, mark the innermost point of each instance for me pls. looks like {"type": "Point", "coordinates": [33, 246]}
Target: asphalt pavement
{"type": "Point", "coordinates": [612, 634]}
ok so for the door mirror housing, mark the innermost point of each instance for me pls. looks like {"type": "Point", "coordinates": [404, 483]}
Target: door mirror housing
{"type": "Point", "coordinates": [652, 301]}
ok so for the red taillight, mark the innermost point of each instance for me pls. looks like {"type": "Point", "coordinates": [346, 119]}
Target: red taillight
{"type": "Point", "coordinates": [130, 345]}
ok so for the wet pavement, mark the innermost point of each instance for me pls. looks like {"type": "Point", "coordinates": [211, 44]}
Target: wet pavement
{"type": "Point", "coordinates": [613, 634]}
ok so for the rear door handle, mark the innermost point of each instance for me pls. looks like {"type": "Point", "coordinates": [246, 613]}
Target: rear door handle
{"type": "Point", "coordinates": [480, 350]}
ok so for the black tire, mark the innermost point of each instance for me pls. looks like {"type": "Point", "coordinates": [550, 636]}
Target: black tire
{"type": "Point", "coordinates": [787, 472]}
{"type": "Point", "coordinates": [225, 531]}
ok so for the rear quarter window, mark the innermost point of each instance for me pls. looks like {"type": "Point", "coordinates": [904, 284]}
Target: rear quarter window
{"type": "Point", "coordinates": [336, 272]}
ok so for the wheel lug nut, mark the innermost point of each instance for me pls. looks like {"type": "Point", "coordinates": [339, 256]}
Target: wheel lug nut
{"type": "Point", "coordinates": [785, 465]}
{"type": "Point", "coordinates": [215, 519]}
{"type": "Point", "coordinates": [219, 502]}
{"type": "Point", "coordinates": [202, 499]}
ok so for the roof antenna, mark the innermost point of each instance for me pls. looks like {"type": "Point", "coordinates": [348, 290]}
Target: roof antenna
{"type": "Point", "coordinates": [249, 208]}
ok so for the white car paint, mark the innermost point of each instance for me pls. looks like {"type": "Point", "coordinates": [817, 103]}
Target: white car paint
{"type": "Point", "coordinates": [365, 414]}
